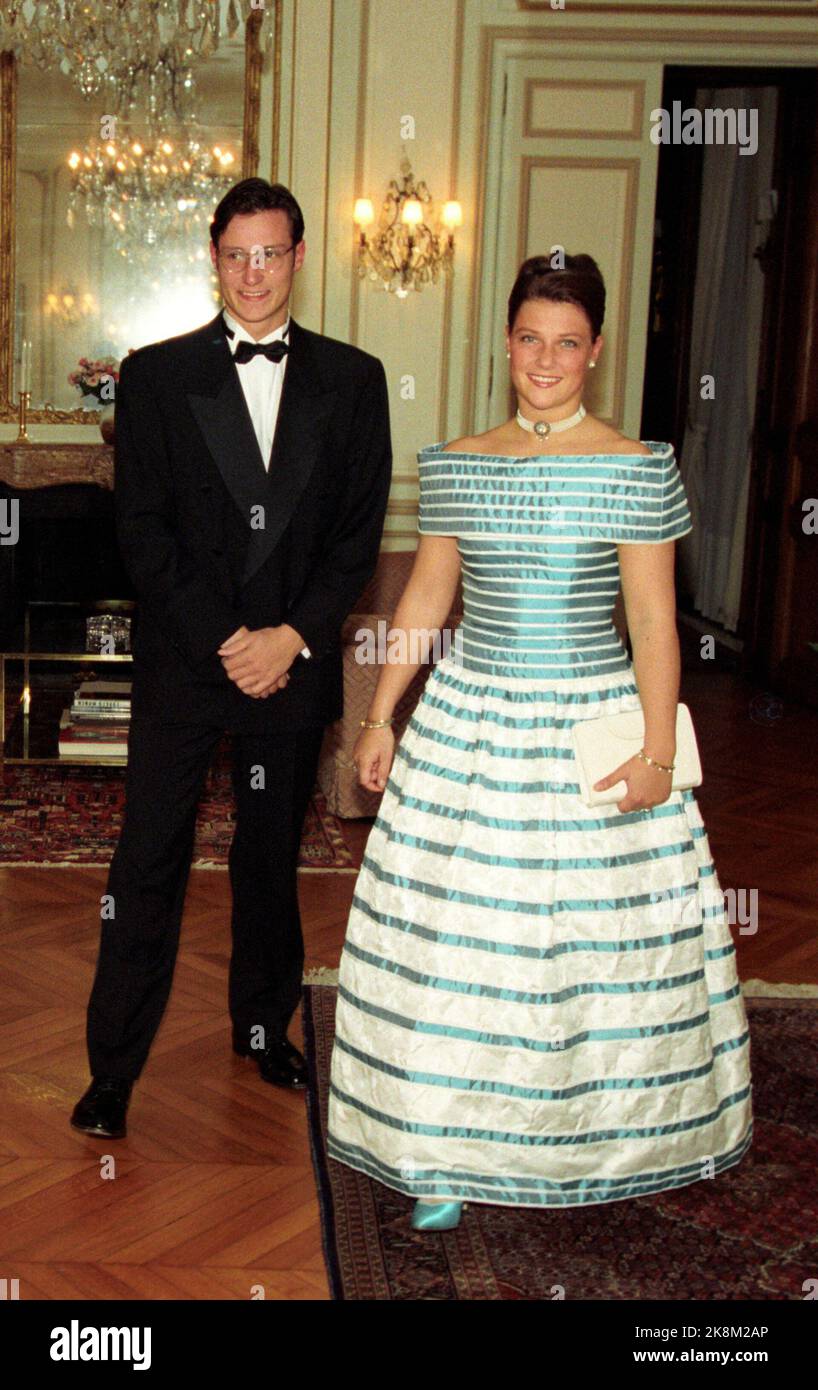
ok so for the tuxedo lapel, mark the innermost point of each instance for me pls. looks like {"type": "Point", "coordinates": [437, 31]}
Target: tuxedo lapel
{"type": "Point", "coordinates": [306, 404]}
{"type": "Point", "coordinates": [224, 420]}
{"type": "Point", "coordinates": [266, 499]}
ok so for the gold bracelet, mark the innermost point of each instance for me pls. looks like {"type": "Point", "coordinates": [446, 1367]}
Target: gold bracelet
{"type": "Point", "coordinates": [376, 723]}
{"type": "Point", "coordinates": [653, 763]}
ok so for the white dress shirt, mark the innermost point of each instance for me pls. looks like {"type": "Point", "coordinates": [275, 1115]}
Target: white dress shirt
{"type": "Point", "coordinates": [262, 382]}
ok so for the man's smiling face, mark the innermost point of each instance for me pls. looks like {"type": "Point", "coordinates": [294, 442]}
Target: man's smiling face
{"type": "Point", "coordinates": [258, 296]}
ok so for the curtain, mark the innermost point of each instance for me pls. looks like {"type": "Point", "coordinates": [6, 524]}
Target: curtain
{"type": "Point", "coordinates": [728, 302]}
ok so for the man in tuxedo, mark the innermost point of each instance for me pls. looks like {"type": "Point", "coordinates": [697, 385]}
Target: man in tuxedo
{"type": "Point", "coordinates": [252, 469]}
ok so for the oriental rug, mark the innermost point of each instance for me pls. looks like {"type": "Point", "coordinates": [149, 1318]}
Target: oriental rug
{"type": "Point", "coordinates": [749, 1233]}
{"type": "Point", "coordinates": [52, 816]}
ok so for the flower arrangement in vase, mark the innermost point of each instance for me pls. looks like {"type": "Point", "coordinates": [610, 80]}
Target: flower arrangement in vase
{"type": "Point", "coordinates": [96, 380]}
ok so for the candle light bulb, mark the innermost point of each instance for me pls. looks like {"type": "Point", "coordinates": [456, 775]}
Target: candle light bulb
{"type": "Point", "coordinates": [412, 212]}
{"type": "Point", "coordinates": [364, 213]}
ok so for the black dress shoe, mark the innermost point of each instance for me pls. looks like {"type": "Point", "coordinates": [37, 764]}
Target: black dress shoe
{"type": "Point", "coordinates": [279, 1062]}
{"type": "Point", "coordinates": [102, 1109]}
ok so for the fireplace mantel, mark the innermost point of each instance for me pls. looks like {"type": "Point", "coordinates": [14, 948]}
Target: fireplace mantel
{"type": "Point", "coordinates": [43, 465]}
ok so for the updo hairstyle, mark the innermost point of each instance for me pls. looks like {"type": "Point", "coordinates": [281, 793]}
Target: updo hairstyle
{"type": "Point", "coordinates": [580, 283]}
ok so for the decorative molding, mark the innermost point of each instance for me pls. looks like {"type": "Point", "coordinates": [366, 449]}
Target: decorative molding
{"type": "Point", "coordinates": [327, 158]}
{"type": "Point", "coordinates": [631, 169]}
{"type": "Point", "coordinates": [360, 129]}
{"type": "Point", "coordinates": [768, 8]}
{"type": "Point", "coordinates": [276, 131]}
{"type": "Point", "coordinates": [635, 87]}
{"type": "Point", "coordinates": [399, 506]}
{"type": "Point", "coordinates": [293, 69]}
{"type": "Point", "coordinates": [454, 159]}
{"type": "Point", "coordinates": [399, 534]}
{"type": "Point", "coordinates": [484, 104]}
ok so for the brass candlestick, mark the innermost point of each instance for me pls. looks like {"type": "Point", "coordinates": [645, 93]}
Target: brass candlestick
{"type": "Point", "coordinates": [22, 433]}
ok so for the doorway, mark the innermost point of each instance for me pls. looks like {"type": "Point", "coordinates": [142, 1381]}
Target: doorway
{"type": "Point", "coordinates": [733, 282]}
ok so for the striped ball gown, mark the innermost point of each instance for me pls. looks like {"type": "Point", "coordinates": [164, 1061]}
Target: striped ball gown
{"type": "Point", "coordinates": [538, 1002]}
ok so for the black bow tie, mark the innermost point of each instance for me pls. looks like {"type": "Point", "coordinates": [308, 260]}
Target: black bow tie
{"type": "Point", "coordinates": [272, 351]}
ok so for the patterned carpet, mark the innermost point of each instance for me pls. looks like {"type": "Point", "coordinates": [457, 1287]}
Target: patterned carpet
{"type": "Point", "coordinates": [72, 815]}
{"type": "Point", "coordinates": [750, 1233]}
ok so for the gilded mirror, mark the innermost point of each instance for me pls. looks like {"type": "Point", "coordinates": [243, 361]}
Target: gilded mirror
{"type": "Point", "coordinates": [101, 252]}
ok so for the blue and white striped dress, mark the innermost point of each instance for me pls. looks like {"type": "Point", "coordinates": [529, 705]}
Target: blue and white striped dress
{"type": "Point", "coordinates": [538, 1002]}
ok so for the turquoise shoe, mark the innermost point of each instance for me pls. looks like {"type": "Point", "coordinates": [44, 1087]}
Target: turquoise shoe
{"type": "Point", "coordinates": [436, 1216]}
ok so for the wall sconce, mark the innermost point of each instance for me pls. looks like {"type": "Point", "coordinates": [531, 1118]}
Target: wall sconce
{"type": "Point", "coordinates": [69, 306]}
{"type": "Point", "coordinates": [404, 253]}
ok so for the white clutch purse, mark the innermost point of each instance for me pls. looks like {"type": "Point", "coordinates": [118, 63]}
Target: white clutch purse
{"type": "Point", "coordinates": [600, 745]}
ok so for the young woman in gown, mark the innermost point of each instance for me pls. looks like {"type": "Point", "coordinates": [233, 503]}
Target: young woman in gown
{"type": "Point", "coordinates": [538, 1002]}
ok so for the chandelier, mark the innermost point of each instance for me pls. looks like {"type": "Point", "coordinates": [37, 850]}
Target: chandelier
{"type": "Point", "coordinates": [403, 253]}
{"type": "Point", "coordinates": [147, 193]}
{"type": "Point", "coordinates": [116, 46]}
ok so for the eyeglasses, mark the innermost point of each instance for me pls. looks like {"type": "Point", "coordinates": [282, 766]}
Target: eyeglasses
{"type": "Point", "coordinates": [234, 260]}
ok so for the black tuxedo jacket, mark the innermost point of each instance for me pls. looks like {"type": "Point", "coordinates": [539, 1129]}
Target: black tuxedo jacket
{"type": "Point", "coordinates": [213, 541]}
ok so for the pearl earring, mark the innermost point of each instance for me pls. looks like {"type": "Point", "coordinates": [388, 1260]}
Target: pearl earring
{"type": "Point", "coordinates": [592, 364]}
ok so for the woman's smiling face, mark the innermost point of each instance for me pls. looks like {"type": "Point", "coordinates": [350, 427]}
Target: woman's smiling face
{"type": "Point", "coordinates": [551, 345]}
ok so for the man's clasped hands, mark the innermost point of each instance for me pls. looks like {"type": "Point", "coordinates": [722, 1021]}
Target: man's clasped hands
{"type": "Point", "coordinates": [258, 661]}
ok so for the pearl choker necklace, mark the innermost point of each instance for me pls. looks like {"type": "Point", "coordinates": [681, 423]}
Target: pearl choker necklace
{"type": "Point", "coordinates": [542, 427]}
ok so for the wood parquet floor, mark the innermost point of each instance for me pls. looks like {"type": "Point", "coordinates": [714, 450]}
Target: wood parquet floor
{"type": "Point", "coordinates": [212, 1194]}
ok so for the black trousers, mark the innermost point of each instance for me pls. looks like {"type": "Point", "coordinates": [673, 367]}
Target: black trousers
{"type": "Point", "coordinates": [273, 777]}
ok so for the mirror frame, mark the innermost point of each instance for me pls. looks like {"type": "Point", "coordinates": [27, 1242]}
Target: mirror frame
{"type": "Point", "coordinates": [253, 63]}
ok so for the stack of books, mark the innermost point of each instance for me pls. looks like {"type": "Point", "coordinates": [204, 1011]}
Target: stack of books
{"type": "Point", "coordinates": [96, 725]}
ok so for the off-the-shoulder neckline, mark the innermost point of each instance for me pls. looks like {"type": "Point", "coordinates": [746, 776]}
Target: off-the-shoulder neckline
{"type": "Point", "coordinates": [657, 449]}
